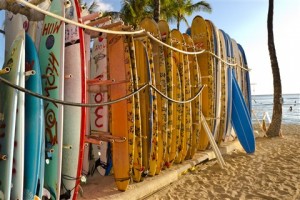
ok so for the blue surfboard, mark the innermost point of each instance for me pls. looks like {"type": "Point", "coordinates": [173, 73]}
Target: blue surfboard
{"type": "Point", "coordinates": [34, 124]}
{"type": "Point", "coordinates": [241, 120]}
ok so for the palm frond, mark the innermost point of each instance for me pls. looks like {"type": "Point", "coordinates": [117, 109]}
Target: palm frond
{"type": "Point", "coordinates": [201, 6]}
{"type": "Point", "coordinates": [185, 20]}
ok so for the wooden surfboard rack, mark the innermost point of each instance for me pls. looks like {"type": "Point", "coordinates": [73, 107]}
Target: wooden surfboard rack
{"type": "Point", "coordinates": [4, 70]}
{"type": "Point", "coordinates": [30, 73]}
{"type": "Point", "coordinates": [105, 82]}
{"type": "Point", "coordinates": [97, 137]}
{"type": "Point", "coordinates": [3, 157]}
{"type": "Point", "coordinates": [99, 21]}
{"type": "Point", "coordinates": [91, 17]}
{"type": "Point", "coordinates": [95, 34]}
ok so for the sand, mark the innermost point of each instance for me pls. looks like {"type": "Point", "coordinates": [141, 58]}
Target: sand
{"type": "Point", "coordinates": [272, 172]}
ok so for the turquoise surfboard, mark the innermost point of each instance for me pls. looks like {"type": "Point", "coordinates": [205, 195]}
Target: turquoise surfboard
{"type": "Point", "coordinates": [51, 55]}
{"type": "Point", "coordinates": [34, 123]}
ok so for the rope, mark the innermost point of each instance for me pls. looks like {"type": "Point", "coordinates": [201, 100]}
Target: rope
{"type": "Point", "coordinates": [227, 63]}
{"type": "Point", "coordinates": [176, 101]}
{"type": "Point", "coordinates": [76, 23]}
{"type": "Point", "coordinates": [173, 48]}
{"type": "Point", "coordinates": [67, 103]}
{"type": "Point", "coordinates": [195, 52]}
{"type": "Point", "coordinates": [123, 33]}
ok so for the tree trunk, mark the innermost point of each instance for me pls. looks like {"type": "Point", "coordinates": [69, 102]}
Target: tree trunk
{"type": "Point", "coordinates": [275, 126]}
{"type": "Point", "coordinates": [178, 20]}
{"type": "Point", "coordinates": [156, 11]}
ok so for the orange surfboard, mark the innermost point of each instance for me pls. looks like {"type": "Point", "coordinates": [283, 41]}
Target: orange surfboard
{"type": "Point", "coordinates": [122, 113]}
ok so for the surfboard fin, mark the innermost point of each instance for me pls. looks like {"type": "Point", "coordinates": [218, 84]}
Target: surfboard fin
{"type": "Point", "coordinates": [66, 195]}
{"type": "Point", "coordinates": [97, 164]}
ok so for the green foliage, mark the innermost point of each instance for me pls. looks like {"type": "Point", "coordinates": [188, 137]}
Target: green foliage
{"type": "Point", "coordinates": [176, 11]}
{"type": "Point", "coordinates": [133, 11]}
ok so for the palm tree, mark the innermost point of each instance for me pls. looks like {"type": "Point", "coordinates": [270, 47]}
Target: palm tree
{"type": "Point", "coordinates": [133, 11]}
{"type": "Point", "coordinates": [176, 11]}
{"type": "Point", "coordinates": [275, 126]}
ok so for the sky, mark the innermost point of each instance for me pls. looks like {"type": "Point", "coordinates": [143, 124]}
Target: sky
{"type": "Point", "coordinates": [246, 22]}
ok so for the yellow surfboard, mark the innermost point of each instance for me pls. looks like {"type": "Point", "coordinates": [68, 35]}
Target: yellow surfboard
{"type": "Point", "coordinates": [201, 38]}
{"type": "Point", "coordinates": [215, 48]}
{"type": "Point", "coordinates": [165, 36]}
{"type": "Point", "coordinates": [195, 79]}
{"type": "Point", "coordinates": [162, 105]}
{"type": "Point", "coordinates": [137, 143]}
{"type": "Point", "coordinates": [130, 102]}
{"type": "Point", "coordinates": [182, 66]}
{"type": "Point", "coordinates": [148, 102]}
{"type": "Point", "coordinates": [187, 106]}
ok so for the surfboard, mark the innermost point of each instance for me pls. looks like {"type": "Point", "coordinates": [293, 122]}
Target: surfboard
{"type": "Point", "coordinates": [122, 113]}
{"type": "Point", "coordinates": [146, 101]}
{"type": "Point", "coordinates": [228, 126]}
{"type": "Point", "coordinates": [241, 120]}
{"type": "Point", "coordinates": [8, 109]}
{"type": "Point", "coordinates": [184, 71]}
{"type": "Point", "coordinates": [86, 154]}
{"type": "Point", "coordinates": [35, 31]}
{"type": "Point", "coordinates": [237, 60]}
{"type": "Point", "coordinates": [177, 42]}
{"type": "Point", "coordinates": [165, 37]}
{"type": "Point", "coordinates": [230, 132]}
{"type": "Point", "coordinates": [162, 104]}
{"type": "Point", "coordinates": [34, 124]}
{"type": "Point", "coordinates": [130, 103]}
{"type": "Point", "coordinates": [74, 128]}
{"type": "Point", "coordinates": [15, 24]}
{"type": "Point", "coordinates": [246, 77]}
{"type": "Point", "coordinates": [224, 90]}
{"type": "Point", "coordinates": [137, 155]}
{"type": "Point", "coordinates": [195, 79]}
{"type": "Point", "coordinates": [99, 115]}
{"type": "Point", "coordinates": [215, 48]}
{"type": "Point", "coordinates": [187, 106]}
{"type": "Point", "coordinates": [152, 108]}
{"type": "Point", "coordinates": [35, 27]}
{"type": "Point", "coordinates": [51, 56]}
{"type": "Point", "coordinates": [201, 38]}
{"type": "Point", "coordinates": [176, 93]}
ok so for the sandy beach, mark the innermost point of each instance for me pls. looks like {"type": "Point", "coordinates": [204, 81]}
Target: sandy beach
{"type": "Point", "coordinates": [272, 172]}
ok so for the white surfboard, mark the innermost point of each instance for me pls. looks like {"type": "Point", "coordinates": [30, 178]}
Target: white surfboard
{"type": "Point", "coordinates": [99, 115]}
{"type": "Point", "coordinates": [14, 25]}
